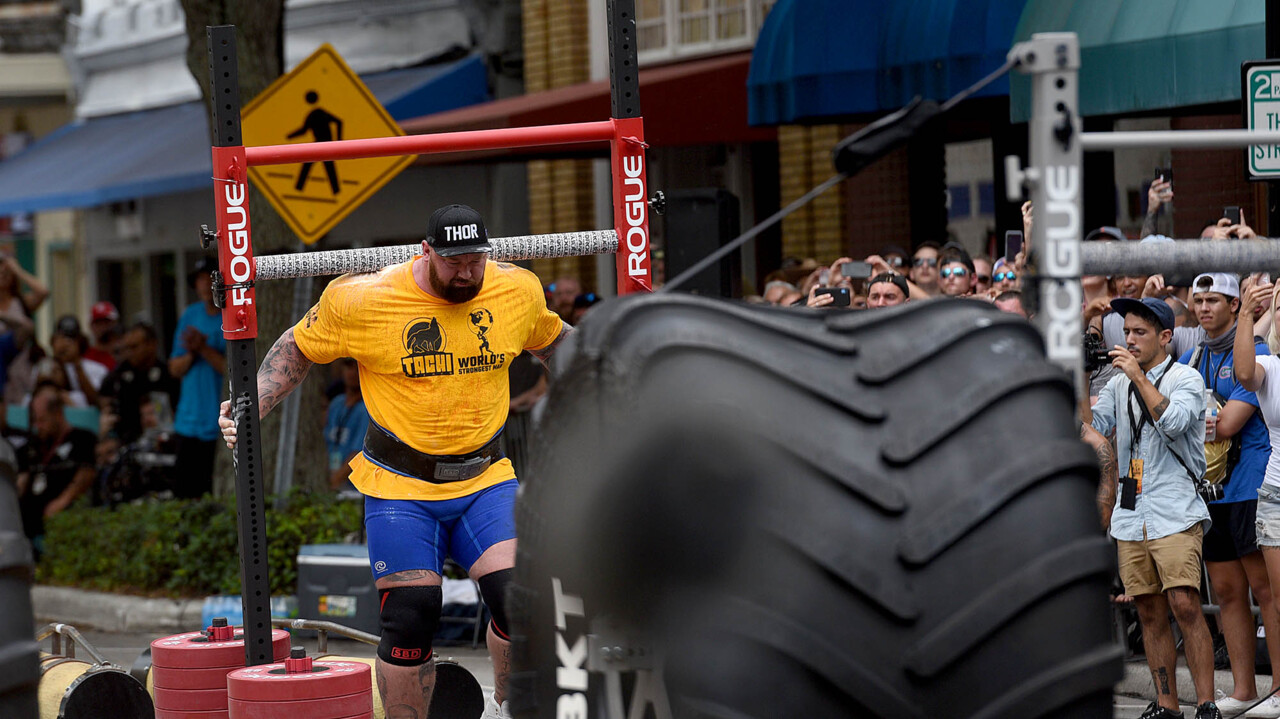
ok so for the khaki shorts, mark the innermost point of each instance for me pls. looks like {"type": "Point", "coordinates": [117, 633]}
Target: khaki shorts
{"type": "Point", "coordinates": [1155, 566]}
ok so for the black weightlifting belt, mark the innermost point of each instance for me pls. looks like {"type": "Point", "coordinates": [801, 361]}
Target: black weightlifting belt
{"type": "Point", "coordinates": [386, 449]}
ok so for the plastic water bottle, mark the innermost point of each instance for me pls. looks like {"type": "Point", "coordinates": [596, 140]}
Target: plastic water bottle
{"type": "Point", "coordinates": [1210, 410]}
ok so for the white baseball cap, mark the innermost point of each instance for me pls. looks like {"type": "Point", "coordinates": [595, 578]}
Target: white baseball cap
{"type": "Point", "coordinates": [1221, 282]}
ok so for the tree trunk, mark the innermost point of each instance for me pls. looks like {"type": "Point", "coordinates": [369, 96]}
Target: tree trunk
{"type": "Point", "coordinates": [260, 52]}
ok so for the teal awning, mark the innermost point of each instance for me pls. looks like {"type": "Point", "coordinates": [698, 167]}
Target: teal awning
{"type": "Point", "coordinates": [1140, 55]}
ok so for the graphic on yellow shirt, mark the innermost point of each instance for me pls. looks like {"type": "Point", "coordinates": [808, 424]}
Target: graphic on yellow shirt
{"type": "Point", "coordinates": [433, 373]}
{"type": "Point", "coordinates": [425, 342]}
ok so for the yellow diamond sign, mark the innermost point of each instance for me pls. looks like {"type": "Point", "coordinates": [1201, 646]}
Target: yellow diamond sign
{"type": "Point", "coordinates": [319, 100]}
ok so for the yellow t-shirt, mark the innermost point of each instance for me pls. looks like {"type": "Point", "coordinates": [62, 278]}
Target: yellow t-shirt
{"type": "Point", "coordinates": [433, 373]}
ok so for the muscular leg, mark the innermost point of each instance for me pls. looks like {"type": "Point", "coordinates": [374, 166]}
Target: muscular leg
{"type": "Point", "coordinates": [1157, 638]}
{"type": "Point", "coordinates": [1231, 586]}
{"type": "Point", "coordinates": [1256, 569]}
{"type": "Point", "coordinates": [498, 557]}
{"type": "Point", "coordinates": [406, 691]}
{"type": "Point", "coordinates": [1185, 603]}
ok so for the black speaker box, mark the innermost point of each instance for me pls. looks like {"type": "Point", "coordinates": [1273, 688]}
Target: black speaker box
{"type": "Point", "coordinates": [698, 222]}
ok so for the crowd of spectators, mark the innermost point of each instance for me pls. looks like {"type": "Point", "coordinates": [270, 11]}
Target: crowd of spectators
{"type": "Point", "coordinates": [102, 413]}
{"type": "Point", "coordinates": [1184, 420]}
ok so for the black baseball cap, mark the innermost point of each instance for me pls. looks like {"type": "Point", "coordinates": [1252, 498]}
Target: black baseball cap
{"type": "Point", "coordinates": [891, 278]}
{"type": "Point", "coordinates": [457, 230]}
{"type": "Point", "coordinates": [203, 266]}
{"type": "Point", "coordinates": [1157, 307]}
{"type": "Point", "coordinates": [67, 326]}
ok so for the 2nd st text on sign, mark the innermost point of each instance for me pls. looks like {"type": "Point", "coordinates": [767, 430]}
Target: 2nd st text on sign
{"type": "Point", "coordinates": [1264, 102]}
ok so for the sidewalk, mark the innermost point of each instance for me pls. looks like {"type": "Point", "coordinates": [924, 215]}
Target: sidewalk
{"type": "Point", "coordinates": [1137, 682]}
{"type": "Point", "coordinates": [115, 612]}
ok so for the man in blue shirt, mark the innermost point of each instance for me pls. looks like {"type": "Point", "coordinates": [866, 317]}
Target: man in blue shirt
{"type": "Point", "coordinates": [345, 427]}
{"type": "Point", "coordinates": [199, 359]}
{"type": "Point", "coordinates": [1155, 407]}
{"type": "Point", "coordinates": [1231, 545]}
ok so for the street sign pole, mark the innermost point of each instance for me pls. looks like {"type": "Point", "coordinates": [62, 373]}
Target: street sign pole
{"type": "Point", "coordinates": [1273, 50]}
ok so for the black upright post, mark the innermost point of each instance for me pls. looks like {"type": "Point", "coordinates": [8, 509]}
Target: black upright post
{"type": "Point", "coordinates": [1273, 50]}
{"type": "Point", "coordinates": [624, 67]}
{"type": "Point", "coordinates": [242, 363]}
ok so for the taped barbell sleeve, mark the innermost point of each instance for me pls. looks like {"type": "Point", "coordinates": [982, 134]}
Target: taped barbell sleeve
{"type": "Point", "coordinates": [1180, 257]}
{"type": "Point", "coordinates": [371, 259]}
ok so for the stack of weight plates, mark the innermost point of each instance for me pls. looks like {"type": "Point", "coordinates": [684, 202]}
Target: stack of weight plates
{"type": "Point", "coordinates": [322, 689]}
{"type": "Point", "coordinates": [190, 670]}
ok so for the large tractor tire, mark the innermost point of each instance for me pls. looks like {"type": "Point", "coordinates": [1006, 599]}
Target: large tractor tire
{"type": "Point", "coordinates": [791, 513]}
{"type": "Point", "coordinates": [19, 652]}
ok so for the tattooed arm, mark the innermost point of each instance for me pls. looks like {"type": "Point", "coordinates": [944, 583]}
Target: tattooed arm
{"type": "Point", "coordinates": [1108, 481]}
{"type": "Point", "coordinates": [282, 369]}
{"type": "Point", "coordinates": [545, 353]}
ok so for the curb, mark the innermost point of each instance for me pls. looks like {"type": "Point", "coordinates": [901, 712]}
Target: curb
{"type": "Point", "coordinates": [114, 612]}
{"type": "Point", "coordinates": [1137, 682]}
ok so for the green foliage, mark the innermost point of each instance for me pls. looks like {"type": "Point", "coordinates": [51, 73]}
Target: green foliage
{"type": "Point", "coordinates": [184, 548]}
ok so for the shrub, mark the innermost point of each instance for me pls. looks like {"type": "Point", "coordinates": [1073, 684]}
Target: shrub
{"type": "Point", "coordinates": [184, 548]}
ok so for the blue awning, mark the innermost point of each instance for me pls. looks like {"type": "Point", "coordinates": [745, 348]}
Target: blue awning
{"type": "Point", "coordinates": [828, 59]}
{"type": "Point", "coordinates": [166, 150]}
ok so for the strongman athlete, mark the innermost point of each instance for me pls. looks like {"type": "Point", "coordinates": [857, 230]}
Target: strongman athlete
{"type": "Point", "coordinates": [433, 338]}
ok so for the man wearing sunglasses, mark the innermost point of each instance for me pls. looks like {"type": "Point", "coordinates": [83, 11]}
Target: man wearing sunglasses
{"type": "Point", "coordinates": [982, 273]}
{"type": "Point", "coordinates": [957, 276]}
{"type": "Point", "coordinates": [924, 268]}
{"type": "Point", "coordinates": [896, 258]}
{"type": "Point", "coordinates": [1004, 278]}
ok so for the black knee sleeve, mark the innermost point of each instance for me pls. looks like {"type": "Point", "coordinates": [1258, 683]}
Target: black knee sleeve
{"type": "Point", "coordinates": [410, 616]}
{"type": "Point", "coordinates": [493, 587]}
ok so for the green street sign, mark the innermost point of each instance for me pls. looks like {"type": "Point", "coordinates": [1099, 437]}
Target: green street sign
{"type": "Point", "coordinates": [1261, 94]}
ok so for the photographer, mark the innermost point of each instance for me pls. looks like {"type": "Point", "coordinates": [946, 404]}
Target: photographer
{"type": "Point", "coordinates": [887, 290]}
{"type": "Point", "coordinates": [1155, 406]}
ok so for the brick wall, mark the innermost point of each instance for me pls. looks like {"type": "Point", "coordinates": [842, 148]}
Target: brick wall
{"type": "Point", "coordinates": [804, 160]}
{"type": "Point", "coordinates": [878, 205]}
{"type": "Point", "coordinates": [561, 192]}
{"type": "Point", "coordinates": [1205, 181]}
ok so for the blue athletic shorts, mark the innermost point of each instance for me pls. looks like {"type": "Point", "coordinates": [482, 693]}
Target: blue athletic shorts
{"type": "Point", "coordinates": [415, 534]}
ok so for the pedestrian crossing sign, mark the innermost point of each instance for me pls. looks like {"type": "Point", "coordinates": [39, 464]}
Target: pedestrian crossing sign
{"type": "Point", "coordinates": [319, 100]}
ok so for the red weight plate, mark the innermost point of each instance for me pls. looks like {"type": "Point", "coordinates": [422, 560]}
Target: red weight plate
{"type": "Point", "coordinates": [176, 714]}
{"type": "Point", "coordinates": [331, 708]}
{"type": "Point", "coordinates": [214, 678]}
{"type": "Point", "coordinates": [271, 683]}
{"type": "Point", "coordinates": [191, 700]}
{"type": "Point", "coordinates": [193, 651]}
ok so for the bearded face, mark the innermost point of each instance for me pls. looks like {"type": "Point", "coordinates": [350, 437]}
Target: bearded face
{"type": "Point", "coordinates": [456, 284]}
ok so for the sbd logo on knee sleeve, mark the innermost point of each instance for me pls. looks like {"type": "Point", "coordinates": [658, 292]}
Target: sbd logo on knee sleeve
{"type": "Point", "coordinates": [406, 655]}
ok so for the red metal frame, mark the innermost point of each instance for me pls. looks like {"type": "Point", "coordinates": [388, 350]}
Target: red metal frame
{"type": "Point", "coordinates": [630, 197]}
{"type": "Point", "coordinates": [631, 206]}
{"type": "Point", "coordinates": [235, 253]}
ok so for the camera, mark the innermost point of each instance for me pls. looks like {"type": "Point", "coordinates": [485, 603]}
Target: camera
{"type": "Point", "coordinates": [1209, 491]}
{"type": "Point", "coordinates": [1095, 353]}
